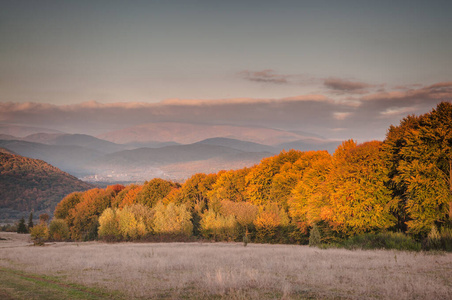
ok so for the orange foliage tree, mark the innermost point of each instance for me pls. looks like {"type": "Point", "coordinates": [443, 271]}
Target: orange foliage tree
{"type": "Point", "coordinates": [154, 191]}
{"type": "Point", "coordinates": [261, 186]}
{"type": "Point", "coordinates": [421, 152]}
{"type": "Point", "coordinates": [63, 208]}
{"type": "Point", "coordinates": [230, 185]}
{"type": "Point", "coordinates": [309, 203]}
{"type": "Point", "coordinates": [269, 221]}
{"type": "Point", "coordinates": [359, 199]}
{"type": "Point", "coordinates": [84, 216]}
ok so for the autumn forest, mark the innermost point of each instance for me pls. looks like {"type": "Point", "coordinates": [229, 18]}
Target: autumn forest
{"type": "Point", "coordinates": [403, 184]}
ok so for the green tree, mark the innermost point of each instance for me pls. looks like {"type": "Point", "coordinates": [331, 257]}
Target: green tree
{"type": "Point", "coordinates": [30, 221]}
{"type": "Point", "coordinates": [22, 228]}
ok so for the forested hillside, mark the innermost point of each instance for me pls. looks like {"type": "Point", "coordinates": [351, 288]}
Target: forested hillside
{"type": "Point", "coordinates": [32, 185]}
{"type": "Point", "coordinates": [401, 184]}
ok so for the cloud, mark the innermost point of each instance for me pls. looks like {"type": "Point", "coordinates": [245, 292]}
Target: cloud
{"type": "Point", "coordinates": [361, 117]}
{"type": "Point", "coordinates": [407, 86]}
{"type": "Point", "coordinates": [391, 111]}
{"type": "Point", "coordinates": [265, 76]}
{"type": "Point", "coordinates": [438, 91]}
{"type": "Point", "coordinates": [342, 85]}
{"type": "Point", "coordinates": [341, 115]}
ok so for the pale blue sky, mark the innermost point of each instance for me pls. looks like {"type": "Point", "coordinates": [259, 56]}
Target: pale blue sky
{"type": "Point", "coordinates": [69, 52]}
{"type": "Point", "coordinates": [110, 51]}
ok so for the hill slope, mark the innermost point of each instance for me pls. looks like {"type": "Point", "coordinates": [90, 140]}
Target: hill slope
{"type": "Point", "coordinates": [32, 185]}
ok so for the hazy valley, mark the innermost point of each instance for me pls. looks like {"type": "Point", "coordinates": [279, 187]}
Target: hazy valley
{"type": "Point", "coordinates": [168, 150]}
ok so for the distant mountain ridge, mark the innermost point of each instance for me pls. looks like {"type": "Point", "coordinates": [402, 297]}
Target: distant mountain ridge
{"type": "Point", "coordinates": [32, 185]}
{"type": "Point", "coordinates": [239, 145]}
{"type": "Point", "coordinates": [185, 133]}
{"type": "Point", "coordinates": [160, 150]}
{"type": "Point", "coordinates": [23, 131]}
{"type": "Point", "coordinates": [82, 140]}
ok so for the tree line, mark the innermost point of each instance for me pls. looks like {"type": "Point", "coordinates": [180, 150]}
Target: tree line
{"type": "Point", "coordinates": [403, 184]}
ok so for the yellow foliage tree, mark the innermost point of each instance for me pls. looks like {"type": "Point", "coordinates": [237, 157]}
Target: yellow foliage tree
{"type": "Point", "coordinates": [218, 227]}
{"type": "Point", "coordinates": [172, 219]}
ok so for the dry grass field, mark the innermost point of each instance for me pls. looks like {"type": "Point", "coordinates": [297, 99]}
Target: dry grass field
{"type": "Point", "coordinates": [230, 270]}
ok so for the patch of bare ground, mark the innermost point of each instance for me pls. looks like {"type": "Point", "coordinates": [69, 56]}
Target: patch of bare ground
{"type": "Point", "coordinates": [229, 270]}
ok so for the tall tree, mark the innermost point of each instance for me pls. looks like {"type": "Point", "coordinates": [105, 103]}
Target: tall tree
{"type": "Point", "coordinates": [360, 201]}
{"type": "Point", "coordinates": [262, 182]}
{"type": "Point", "coordinates": [30, 221]}
{"type": "Point", "coordinates": [424, 171]}
{"type": "Point", "coordinates": [309, 203]}
{"type": "Point", "coordinates": [396, 140]}
{"type": "Point", "coordinates": [154, 191]}
{"type": "Point", "coordinates": [22, 228]}
{"type": "Point", "coordinates": [230, 185]}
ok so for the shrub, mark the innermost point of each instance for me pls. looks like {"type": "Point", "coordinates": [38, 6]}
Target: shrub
{"type": "Point", "coordinates": [58, 230]}
{"type": "Point", "coordinates": [314, 236]}
{"type": "Point", "coordinates": [39, 234]}
{"type": "Point", "coordinates": [436, 240]}
{"type": "Point", "coordinates": [9, 228]}
{"type": "Point", "coordinates": [245, 240]}
{"type": "Point", "coordinates": [433, 240]}
{"type": "Point", "coordinates": [383, 240]}
{"type": "Point", "coordinates": [446, 239]}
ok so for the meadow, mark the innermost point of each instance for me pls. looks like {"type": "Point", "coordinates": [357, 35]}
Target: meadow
{"type": "Point", "coordinates": [228, 270]}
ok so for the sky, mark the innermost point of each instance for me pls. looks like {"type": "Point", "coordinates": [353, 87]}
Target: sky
{"type": "Point", "coordinates": [340, 69]}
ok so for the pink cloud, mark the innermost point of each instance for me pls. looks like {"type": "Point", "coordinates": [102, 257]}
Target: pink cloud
{"type": "Point", "coordinates": [359, 116]}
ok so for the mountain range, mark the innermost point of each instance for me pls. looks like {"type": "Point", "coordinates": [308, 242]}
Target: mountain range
{"type": "Point", "coordinates": [167, 150]}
